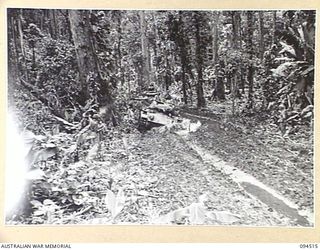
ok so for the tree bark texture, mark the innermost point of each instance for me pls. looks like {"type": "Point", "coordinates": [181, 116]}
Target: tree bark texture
{"type": "Point", "coordinates": [215, 37]}
{"type": "Point", "coordinates": [85, 57]}
{"type": "Point", "coordinates": [236, 29]}
{"type": "Point", "coordinates": [145, 52]}
{"type": "Point", "coordinates": [20, 18]}
{"type": "Point", "coordinates": [261, 35]}
{"type": "Point", "coordinates": [250, 52]}
{"type": "Point", "coordinates": [274, 21]}
{"type": "Point", "coordinates": [219, 91]}
{"type": "Point", "coordinates": [53, 24]}
{"type": "Point", "coordinates": [199, 60]}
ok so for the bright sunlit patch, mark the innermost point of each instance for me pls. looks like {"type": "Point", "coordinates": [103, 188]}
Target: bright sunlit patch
{"type": "Point", "coordinates": [15, 166]}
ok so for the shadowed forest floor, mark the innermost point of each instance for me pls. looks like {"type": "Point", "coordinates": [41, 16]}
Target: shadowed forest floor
{"type": "Point", "coordinates": [159, 172]}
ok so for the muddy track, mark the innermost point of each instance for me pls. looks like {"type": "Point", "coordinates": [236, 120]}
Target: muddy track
{"type": "Point", "coordinates": [255, 188]}
{"type": "Point", "coordinates": [256, 183]}
{"type": "Point", "coordinates": [184, 173]}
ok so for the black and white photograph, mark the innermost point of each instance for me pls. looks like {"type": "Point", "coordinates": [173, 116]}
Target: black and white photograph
{"type": "Point", "coordinates": [160, 117]}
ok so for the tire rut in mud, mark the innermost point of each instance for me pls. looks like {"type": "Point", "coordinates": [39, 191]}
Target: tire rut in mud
{"type": "Point", "coordinates": [186, 176]}
{"type": "Point", "coordinates": [254, 187]}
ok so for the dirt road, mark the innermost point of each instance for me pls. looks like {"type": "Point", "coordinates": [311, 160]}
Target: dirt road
{"type": "Point", "coordinates": [172, 171]}
{"type": "Point", "coordinates": [261, 179]}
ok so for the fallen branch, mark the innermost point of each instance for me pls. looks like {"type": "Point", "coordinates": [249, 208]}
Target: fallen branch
{"type": "Point", "coordinates": [36, 94]}
{"type": "Point", "coordinates": [66, 123]}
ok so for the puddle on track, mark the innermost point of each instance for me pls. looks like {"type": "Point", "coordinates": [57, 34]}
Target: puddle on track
{"type": "Point", "coordinates": [256, 188]}
{"type": "Point", "coordinates": [275, 203]}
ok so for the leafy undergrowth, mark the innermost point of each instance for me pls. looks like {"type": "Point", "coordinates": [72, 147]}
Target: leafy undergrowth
{"type": "Point", "coordinates": [148, 178]}
{"type": "Point", "coordinates": [154, 177]}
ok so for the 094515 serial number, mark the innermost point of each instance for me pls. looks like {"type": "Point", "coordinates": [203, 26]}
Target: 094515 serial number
{"type": "Point", "coordinates": [308, 246]}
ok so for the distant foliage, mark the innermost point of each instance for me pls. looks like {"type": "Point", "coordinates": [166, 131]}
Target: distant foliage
{"type": "Point", "coordinates": [293, 73]}
{"type": "Point", "coordinates": [57, 73]}
{"type": "Point", "coordinates": [260, 61]}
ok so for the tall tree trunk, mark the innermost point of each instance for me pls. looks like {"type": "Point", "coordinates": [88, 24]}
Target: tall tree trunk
{"type": "Point", "coordinates": [215, 37]}
{"type": "Point", "coordinates": [68, 28]}
{"type": "Point", "coordinates": [235, 70]}
{"type": "Point", "coordinates": [42, 19]}
{"type": "Point", "coordinates": [219, 90]}
{"type": "Point", "coordinates": [274, 24]}
{"type": "Point", "coordinates": [53, 23]}
{"type": "Point", "coordinates": [167, 66]}
{"type": "Point", "coordinates": [241, 68]}
{"type": "Point", "coordinates": [24, 68]}
{"type": "Point", "coordinates": [181, 42]}
{"type": "Point", "coordinates": [12, 27]}
{"type": "Point", "coordinates": [199, 61]}
{"type": "Point", "coordinates": [235, 30]}
{"type": "Point", "coordinates": [183, 56]}
{"type": "Point", "coordinates": [87, 59]}
{"type": "Point", "coordinates": [184, 85]}
{"type": "Point", "coordinates": [119, 30]}
{"type": "Point", "coordinates": [250, 52]}
{"type": "Point", "coordinates": [88, 64]}
{"type": "Point", "coordinates": [156, 49]}
{"type": "Point", "coordinates": [20, 18]}
{"type": "Point", "coordinates": [145, 52]}
{"type": "Point", "coordinates": [261, 35]}
{"type": "Point", "coordinates": [151, 48]}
